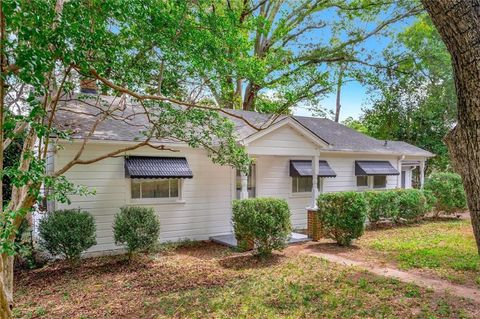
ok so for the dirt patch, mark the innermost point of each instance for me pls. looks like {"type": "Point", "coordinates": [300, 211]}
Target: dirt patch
{"type": "Point", "coordinates": [117, 285]}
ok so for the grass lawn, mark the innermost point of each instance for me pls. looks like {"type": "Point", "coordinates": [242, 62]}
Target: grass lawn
{"type": "Point", "coordinates": [444, 248]}
{"type": "Point", "coordinates": [209, 281]}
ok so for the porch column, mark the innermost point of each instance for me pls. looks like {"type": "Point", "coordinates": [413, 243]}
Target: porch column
{"type": "Point", "coordinates": [315, 168]}
{"type": "Point", "coordinates": [399, 168]}
{"type": "Point", "coordinates": [422, 173]}
{"type": "Point", "coordinates": [244, 184]}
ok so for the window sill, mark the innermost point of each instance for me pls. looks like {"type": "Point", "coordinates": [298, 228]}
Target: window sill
{"type": "Point", "coordinates": [301, 195]}
{"type": "Point", "coordinates": [156, 201]}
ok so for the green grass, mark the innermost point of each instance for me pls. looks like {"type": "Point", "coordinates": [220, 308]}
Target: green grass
{"type": "Point", "coordinates": [307, 288]}
{"type": "Point", "coordinates": [447, 248]}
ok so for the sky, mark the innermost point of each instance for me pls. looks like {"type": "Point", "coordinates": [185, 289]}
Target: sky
{"type": "Point", "coordinates": [354, 95]}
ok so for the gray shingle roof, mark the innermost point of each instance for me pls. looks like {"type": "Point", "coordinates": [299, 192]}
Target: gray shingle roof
{"type": "Point", "coordinates": [128, 123]}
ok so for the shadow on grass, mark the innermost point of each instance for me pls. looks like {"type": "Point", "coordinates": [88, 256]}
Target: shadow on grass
{"type": "Point", "coordinates": [250, 261]}
{"type": "Point", "coordinates": [333, 248]}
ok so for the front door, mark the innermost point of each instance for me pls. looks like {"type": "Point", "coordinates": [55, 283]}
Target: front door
{"type": "Point", "coordinates": [403, 176]}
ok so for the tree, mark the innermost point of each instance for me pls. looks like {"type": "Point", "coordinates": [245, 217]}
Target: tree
{"type": "Point", "coordinates": [458, 23]}
{"type": "Point", "coordinates": [413, 97]}
{"type": "Point", "coordinates": [294, 44]}
{"type": "Point", "coordinates": [148, 55]}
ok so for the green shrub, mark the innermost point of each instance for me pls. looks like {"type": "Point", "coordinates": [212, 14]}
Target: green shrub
{"type": "Point", "coordinates": [342, 215]}
{"type": "Point", "coordinates": [67, 233]}
{"type": "Point", "coordinates": [25, 252]}
{"type": "Point", "coordinates": [412, 204]}
{"type": "Point", "coordinates": [265, 221]}
{"type": "Point", "coordinates": [382, 204]}
{"type": "Point", "coordinates": [137, 228]}
{"type": "Point", "coordinates": [449, 192]}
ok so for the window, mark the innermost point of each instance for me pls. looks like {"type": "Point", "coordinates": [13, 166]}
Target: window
{"type": "Point", "coordinates": [362, 181]}
{"type": "Point", "coordinates": [157, 188]}
{"type": "Point", "coordinates": [379, 181]}
{"type": "Point", "coordinates": [251, 182]}
{"type": "Point", "coordinates": [303, 184]}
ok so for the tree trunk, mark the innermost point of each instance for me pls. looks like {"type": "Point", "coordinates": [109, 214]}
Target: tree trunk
{"type": "Point", "coordinates": [458, 22]}
{"type": "Point", "coordinates": [250, 96]}
{"type": "Point", "coordinates": [339, 92]}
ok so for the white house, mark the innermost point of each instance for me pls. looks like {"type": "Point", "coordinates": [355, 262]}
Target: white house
{"type": "Point", "coordinates": [296, 158]}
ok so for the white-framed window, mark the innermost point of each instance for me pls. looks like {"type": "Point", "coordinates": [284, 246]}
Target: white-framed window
{"type": "Point", "coordinates": [155, 188]}
{"type": "Point", "coordinates": [379, 181]}
{"type": "Point", "coordinates": [303, 184]}
{"type": "Point", "coordinates": [362, 181]}
{"type": "Point", "coordinates": [376, 181]}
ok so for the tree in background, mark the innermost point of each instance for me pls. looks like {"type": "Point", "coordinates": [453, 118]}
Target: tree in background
{"type": "Point", "coordinates": [413, 96]}
{"type": "Point", "coordinates": [294, 44]}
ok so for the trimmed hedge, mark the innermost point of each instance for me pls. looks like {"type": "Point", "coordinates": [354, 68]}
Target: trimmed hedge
{"type": "Point", "coordinates": [263, 221]}
{"type": "Point", "coordinates": [449, 192]}
{"type": "Point", "coordinates": [342, 216]}
{"type": "Point", "coordinates": [398, 204]}
{"type": "Point", "coordinates": [68, 233]}
{"type": "Point", "coordinates": [381, 205]}
{"type": "Point", "coordinates": [137, 228]}
{"type": "Point", "coordinates": [412, 204]}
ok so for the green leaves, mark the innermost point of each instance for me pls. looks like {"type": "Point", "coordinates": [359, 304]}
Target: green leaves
{"type": "Point", "coordinates": [448, 191]}
{"type": "Point", "coordinates": [342, 216]}
{"type": "Point", "coordinates": [67, 233]}
{"type": "Point", "coordinates": [414, 99]}
{"type": "Point", "coordinates": [264, 221]}
{"type": "Point", "coordinates": [137, 228]}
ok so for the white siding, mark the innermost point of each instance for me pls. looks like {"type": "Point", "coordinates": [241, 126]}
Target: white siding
{"type": "Point", "coordinates": [344, 166]}
{"type": "Point", "coordinates": [273, 180]}
{"type": "Point", "coordinates": [283, 141]}
{"type": "Point", "coordinates": [206, 206]}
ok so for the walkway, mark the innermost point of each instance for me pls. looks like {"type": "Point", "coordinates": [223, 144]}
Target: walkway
{"type": "Point", "coordinates": [436, 285]}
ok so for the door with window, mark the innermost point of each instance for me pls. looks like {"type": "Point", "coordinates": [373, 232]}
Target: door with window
{"type": "Point", "coordinates": [251, 182]}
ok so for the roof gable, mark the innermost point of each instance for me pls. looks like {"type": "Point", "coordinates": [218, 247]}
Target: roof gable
{"type": "Point", "coordinates": [300, 133]}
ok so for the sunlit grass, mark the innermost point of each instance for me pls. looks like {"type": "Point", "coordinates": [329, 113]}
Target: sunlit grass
{"type": "Point", "coordinates": [446, 247]}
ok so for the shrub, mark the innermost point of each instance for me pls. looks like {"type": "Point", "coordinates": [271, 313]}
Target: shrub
{"type": "Point", "coordinates": [412, 204]}
{"type": "Point", "coordinates": [137, 228]}
{"type": "Point", "coordinates": [265, 221]}
{"type": "Point", "coordinates": [382, 204]}
{"type": "Point", "coordinates": [449, 192]}
{"type": "Point", "coordinates": [24, 250]}
{"type": "Point", "coordinates": [342, 215]}
{"type": "Point", "coordinates": [67, 233]}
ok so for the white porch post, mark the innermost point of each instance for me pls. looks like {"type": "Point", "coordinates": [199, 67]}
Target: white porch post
{"type": "Point", "coordinates": [244, 184]}
{"type": "Point", "coordinates": [399, 168]}
{"type": "Point", "coordinates": [422, 173]}
{"type": "Point", "coordinates": [315, 168]}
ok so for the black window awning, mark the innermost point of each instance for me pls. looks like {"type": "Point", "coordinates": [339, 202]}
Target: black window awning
{"type": "Point", "coordinates": [366, 168]}
{"type": "Point", "coordinates": [304, 168]}
{"type": "Point", "coordinates": [157, 167]}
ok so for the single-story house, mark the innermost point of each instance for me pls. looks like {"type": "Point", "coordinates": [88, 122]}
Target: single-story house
{"type": "Point", "coordinates": [295, 158]}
